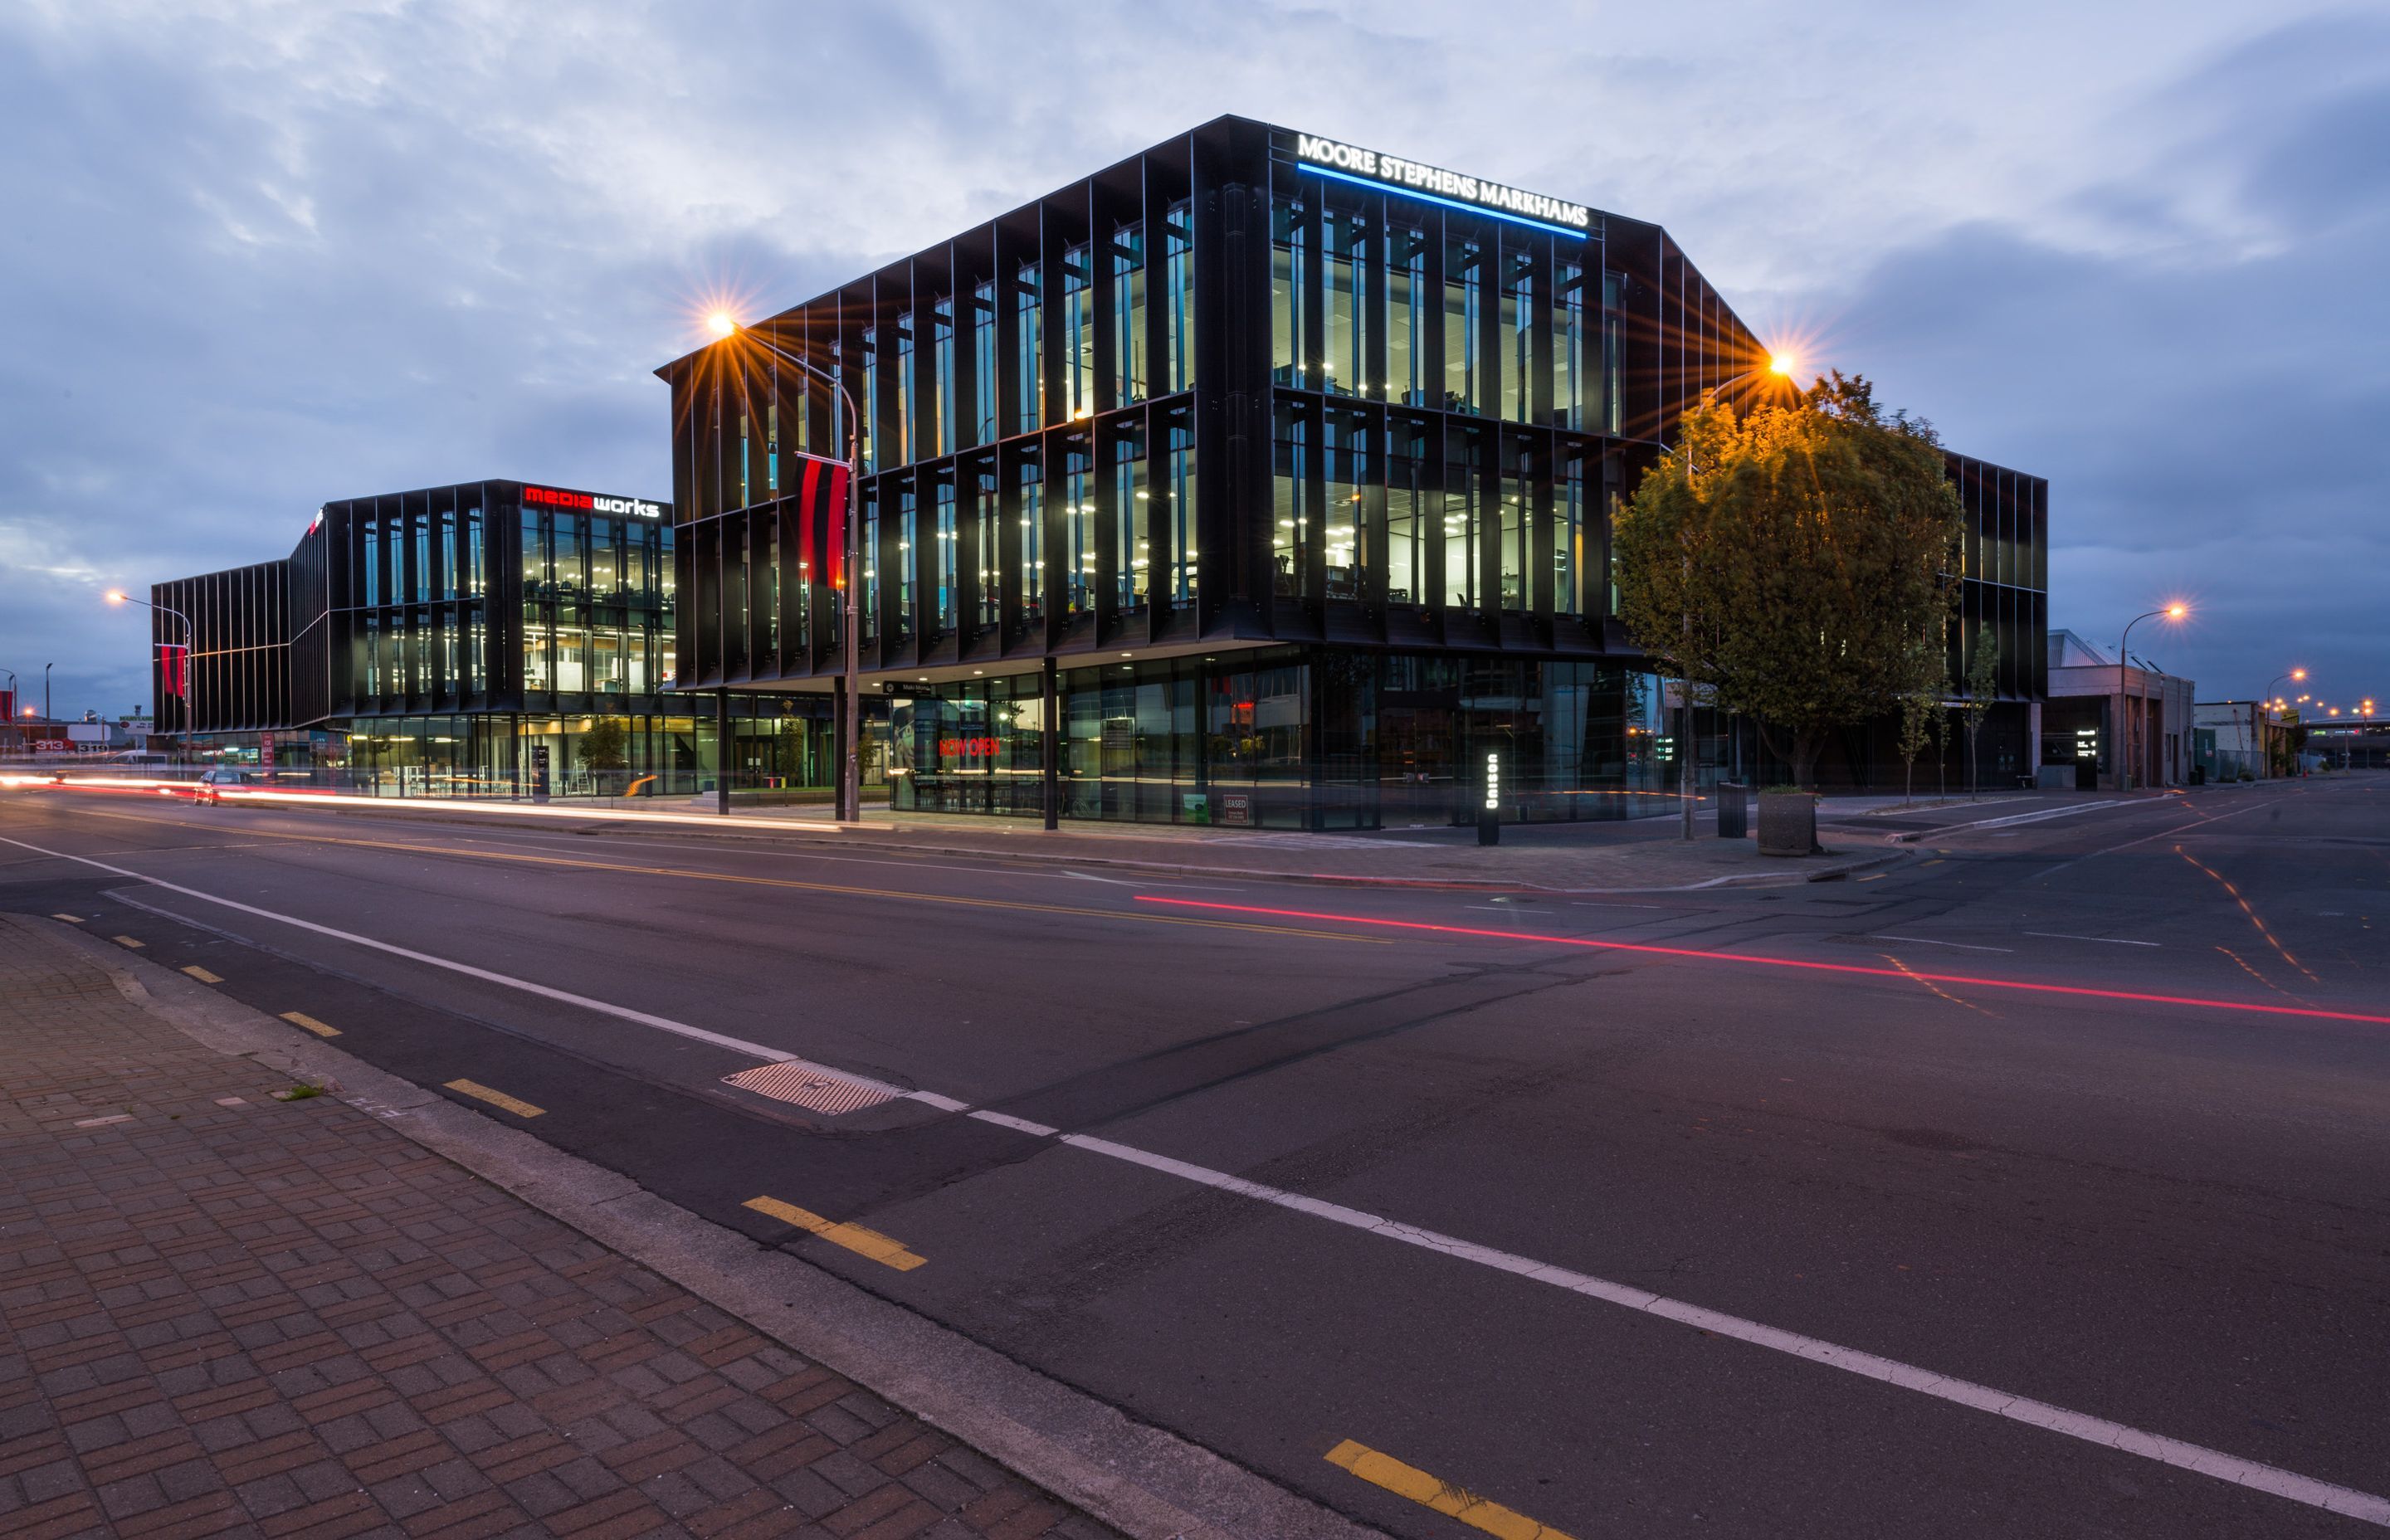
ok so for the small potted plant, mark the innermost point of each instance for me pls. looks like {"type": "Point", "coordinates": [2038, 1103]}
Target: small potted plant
{"type": "Point", "coordinates": [1788, 821]}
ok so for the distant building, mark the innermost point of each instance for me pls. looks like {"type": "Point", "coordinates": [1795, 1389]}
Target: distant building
{"type": "Point", "coordinates": [2242, 737]}
{"type": "Point", "coordinates": [2118, 725]}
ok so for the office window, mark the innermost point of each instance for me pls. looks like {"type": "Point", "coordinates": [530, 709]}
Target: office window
{"type": "Point", "coordinates": [1290, 528]}
{"type": "Point", "coordinates": [420, 578]}
{"type": "Point", "coordinates": [1179, 281]}
{"type": "Point", "coordinates": [869, 621]}
{"type": "Point", "coordinates": [1464, 466]}
{"type": "Point", "coordinates": [869, 405]}
{"type": "Point", "coordinates": [1572, 389]}
{"type": "Point", "coordinates": [1078, 323]}
{"type": "Point", "coordinates": [1078, 526]}
{"type": "Point", "coordinates": [572, 556]}
{"type": "Point", "coordinates": [609, 670]}
{"type": "Point", "coordinates": [908, 558]}
{"type": "Point", "coordinates": [900, 444]}
{"type": "Point", "coordinates": [989, 533]}
{"type": "Point", "coordinates": [1344, 251]}
{"type": "Point", "coordinates": [1464, 307]}
{"type": "Point", "coordinates": [1407, 302]}
{"type": "Point", "coordinates": [1130, 543]}
{"type": "Point", "coordinates": [535, 569]}
{"type": "Point", "coordinates": [1518, 322]}
{"type": "Point", "coordinates": [472, 670]}
{"type": "Point", "coordinates": [944, 556]}
{"type": "Point", "coordinates": [420, 678]}
{"type": "Point", "coordinates": [764, 571]}
{"type": "Point", "coordinates": [1178, 484]}
{"type": "Point", "coordinates": [605, 559]}
{"type": "Point", "coordinates": [371, 682]}
{"type": "Point", "coordinates": [476, 559]}
{"type": "Point", "coordinates": [571, 659]}
{"type": "Point", "coordinates": [984, 361]}
{"type": "Point", "coordinates": [1033, 538]}
{"type": "Point", "coordinates": [1512, 556]}
{"type": "Point", "coordinates": [938, 425]}
{"type": "Point", "coordinates": [1345, 443]}
{"type": "Point", "coordinates": [1029, 356]}
{"type": "Point", "coordinates": [1569, 510]}
{"type": "Point", "coordinates": [772, 442]}
{"type": "Point", "coordinates": [1287, 242]}
{"type": "Point", "coordinates": [746, 464]}
{"type": "Point", "coordinates": [447, 552]}
{"type": "Point", "coordinates": [373, 564]}
{"type": "Point", "coordinates": [1406, 504]}
{"type": "Point", "coordinates": [1611, 413]}
{"type": "Point", "coordinates": [1129, 315]}
{"type": "Point", "coordinates": [446, 624]}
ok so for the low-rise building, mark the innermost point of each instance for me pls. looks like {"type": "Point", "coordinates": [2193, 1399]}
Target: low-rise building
{"type": "Point", "coordinates": [2119, 724]}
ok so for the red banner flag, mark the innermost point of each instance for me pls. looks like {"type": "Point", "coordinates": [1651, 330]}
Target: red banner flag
{"type": "Point", "coordinates": [170, 660]}
{"type": "Point", "coordinates": [821, 519]}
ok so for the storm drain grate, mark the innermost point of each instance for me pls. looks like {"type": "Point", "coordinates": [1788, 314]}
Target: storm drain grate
{"type": "Point", "coordinates": [812, 1088]}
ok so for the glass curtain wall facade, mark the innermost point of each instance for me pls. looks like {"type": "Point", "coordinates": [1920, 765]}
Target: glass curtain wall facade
{"type": "Point", "coordinates": [433, 642]}
{"type": "Point", "coordinates": [1220, 398]}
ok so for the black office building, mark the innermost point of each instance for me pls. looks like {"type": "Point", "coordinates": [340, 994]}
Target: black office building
{"type": "Point", "coordinates": [431, 641]}
{"type": "Point", "coordinates": [1292, 462]}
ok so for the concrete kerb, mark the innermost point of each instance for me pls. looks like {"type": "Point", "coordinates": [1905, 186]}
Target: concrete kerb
{"type": "Point", "coordinates": [1144, 1481]}
{"type": "Point", "coordinates": [861, 839]}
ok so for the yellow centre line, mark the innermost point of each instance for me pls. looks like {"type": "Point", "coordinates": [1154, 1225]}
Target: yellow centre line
{"type": "Point", "coordinates": [884, 1250]}
{"type": "Point", "coordinates": [479, 1092]}
{"type": "Point", "coordinates": [300, 1019]}
{"type": "Point", "coordinates": [830, 888]}
{"type": "Point", "coordinates": [1409, 1481]}
{"type": "Point", "coordinates": [126, 941]}
{"type": "Point", "coordinates": [196, 971]}
{"type": "Point", "coordinates": [70, 919]}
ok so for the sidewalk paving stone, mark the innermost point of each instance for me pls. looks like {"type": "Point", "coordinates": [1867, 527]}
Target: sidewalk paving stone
{"type": "Point", "coordinates": [233, 1313]}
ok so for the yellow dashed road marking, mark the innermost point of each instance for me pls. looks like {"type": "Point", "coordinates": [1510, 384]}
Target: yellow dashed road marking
{"type": "Point", "coordinates": [70, 919]}
{"type": "Point", "coordinates": [1409, 1481]}
{"type": "Point", "coordinates": [300, 1019]}
{"type": "Point", "coordinates": [497, 1099]}
{"type": "Point", "coordinates": [882, 1249]}
{"type": "Point", "coordinates": [126, 941]}
{"type": "Point", "coordinates": [196, 971]}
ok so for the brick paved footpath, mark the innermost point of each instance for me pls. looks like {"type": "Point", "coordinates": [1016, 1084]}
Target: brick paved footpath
{"type": "Point", "coordinates": [225, 1314]}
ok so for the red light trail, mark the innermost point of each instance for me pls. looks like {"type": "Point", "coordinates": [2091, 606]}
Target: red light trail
{"type": "Point", "coordinates": [2075, 991]}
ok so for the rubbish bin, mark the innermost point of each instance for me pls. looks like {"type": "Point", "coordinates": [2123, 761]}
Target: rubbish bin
{"type": "Point", "coordinates": [1734, 809]}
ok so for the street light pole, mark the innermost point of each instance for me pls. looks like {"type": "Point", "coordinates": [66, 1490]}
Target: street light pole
{"type": "Point", "coordinates": [190, 662]}
{"type": "Point", "coordinates": [2123, 650]}
{"type": "Point", "coordinates": [2295, 676]}
{"type": "Point", "coordinates": [1779, 365]}
{"type": "Point", "coordinates": [849, 808]}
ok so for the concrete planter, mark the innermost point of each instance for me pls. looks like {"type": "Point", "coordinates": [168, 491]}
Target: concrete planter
{"type": "Point", "coordinates": [1788, 823]}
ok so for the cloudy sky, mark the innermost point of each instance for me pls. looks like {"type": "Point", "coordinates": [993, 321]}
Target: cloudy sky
{"type": "Point", "coordinates": [260, 255]}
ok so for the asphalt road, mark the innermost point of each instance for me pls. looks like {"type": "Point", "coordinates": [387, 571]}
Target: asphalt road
{"type": "Point", "coordinates": [2039, 1187]}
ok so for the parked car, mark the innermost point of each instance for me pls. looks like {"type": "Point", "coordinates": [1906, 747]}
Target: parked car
{"type": "Point", "coordinates": [212, 785]}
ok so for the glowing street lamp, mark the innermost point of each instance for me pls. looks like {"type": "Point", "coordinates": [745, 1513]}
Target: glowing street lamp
{"type": "Point", "coordinates": [726, 327]}
{"type": "Point", "coordinates": [190, 659]}
{"type": "Point", "coordinates": [1780, 365]}
{"type": "Point", "coordinates": [2176, 610]}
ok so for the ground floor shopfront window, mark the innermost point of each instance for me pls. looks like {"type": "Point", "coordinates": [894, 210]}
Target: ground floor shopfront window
{"type": "Point", "coordinates": [523, 754]}
{"type": "Point", "coordinates": [1289, 739]}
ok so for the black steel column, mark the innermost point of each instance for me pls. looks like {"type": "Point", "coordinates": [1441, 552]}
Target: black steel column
{"type": "Point", "coordinates": [722, 751]}
{"type": "Point", "coordinates": [1050, 757]}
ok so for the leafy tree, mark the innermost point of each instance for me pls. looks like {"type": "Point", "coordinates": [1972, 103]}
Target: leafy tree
{"type": "Point", "coordinates": [605, 746]}
{"type": "Point", "coordinates": [1920, 705]}
{"type": "Point", "coordinates": [1983, 689]}
{"type": "Point", "coordinates": [1784, 560]}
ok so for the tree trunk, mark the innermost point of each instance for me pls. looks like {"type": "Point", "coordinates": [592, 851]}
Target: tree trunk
{"type": "Point", "coordinates": [1974, 764]}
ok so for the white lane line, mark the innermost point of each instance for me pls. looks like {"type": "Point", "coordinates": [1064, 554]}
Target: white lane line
{"type": "Point", "coordinates": [1510, 909]}
{"type": "Point", "coordinates": [1597, 904]}
{"type": "Point", "coordinates": [2042, 817]}
{"type": "Point", "coordinates": [2110, 941]}
{"type": "Point", "coordinates": [1006, 1120]}
{"type": "Point", "coordinates": [603, 1008]}
{"type": "Point", "coordinates": [1929, 941]}
{"type": "Point", "coordinates": [2327, 1496]}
